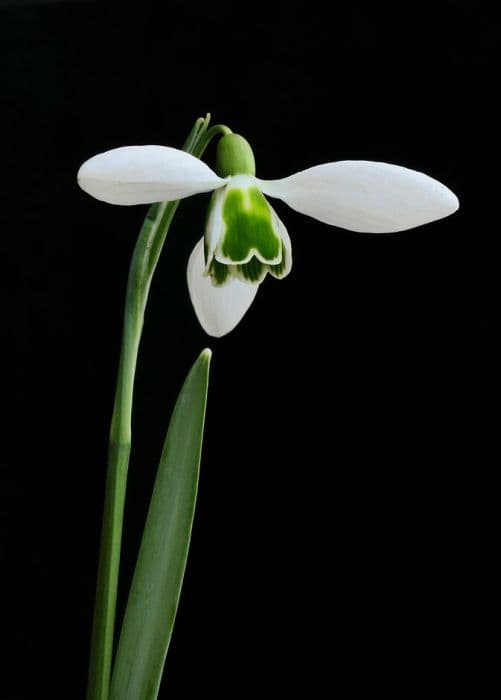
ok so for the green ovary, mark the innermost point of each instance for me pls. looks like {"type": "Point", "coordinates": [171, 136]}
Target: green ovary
{"type": "Point", "coordinates": [249, 228]}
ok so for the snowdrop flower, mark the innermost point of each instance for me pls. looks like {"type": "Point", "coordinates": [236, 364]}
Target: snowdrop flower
{"type": "Point", "coordinates": [244, 238]}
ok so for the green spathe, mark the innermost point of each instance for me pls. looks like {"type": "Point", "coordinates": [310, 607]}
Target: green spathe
{"type": "Point", "coordinates": [235, 156]}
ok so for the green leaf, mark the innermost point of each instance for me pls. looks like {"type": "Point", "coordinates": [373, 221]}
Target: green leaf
{"type": "Point", "coordinates": [156, 586]}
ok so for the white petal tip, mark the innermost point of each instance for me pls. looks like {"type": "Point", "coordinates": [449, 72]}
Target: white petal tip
{"type": "Point", "coordinates": [214, 333]}
{"type": "Point", "coordinates": [453, 202]}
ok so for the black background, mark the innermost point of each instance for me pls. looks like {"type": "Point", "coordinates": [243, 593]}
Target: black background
{"type": "Point", "coordinates": [337, 526]}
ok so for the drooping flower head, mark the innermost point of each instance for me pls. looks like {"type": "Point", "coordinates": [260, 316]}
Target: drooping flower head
{"type": "Point", "coordinates": [244, 238]}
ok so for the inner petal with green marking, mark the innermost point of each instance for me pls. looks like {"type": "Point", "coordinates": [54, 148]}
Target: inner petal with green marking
{"type": "Point", "coordinates": [248, 226]}
{"type": "Point", "coordinates": [244, 237]}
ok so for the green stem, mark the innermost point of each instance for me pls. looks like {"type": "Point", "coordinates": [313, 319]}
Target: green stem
{"type": "Point", "coordinates": [216, 130]}
{"type": "Point", "coordinates": [144, 260]}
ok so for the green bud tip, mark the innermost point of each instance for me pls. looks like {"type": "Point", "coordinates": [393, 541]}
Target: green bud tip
{"type": "Point", "coordinates": [235, 156]}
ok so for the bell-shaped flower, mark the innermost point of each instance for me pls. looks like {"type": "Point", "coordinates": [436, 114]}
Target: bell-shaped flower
{"type": "Point", "coordinates": [244, 238]}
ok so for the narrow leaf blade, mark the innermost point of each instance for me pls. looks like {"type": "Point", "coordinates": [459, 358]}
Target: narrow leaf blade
{"type": "Point", "coordinates": [156, 586]}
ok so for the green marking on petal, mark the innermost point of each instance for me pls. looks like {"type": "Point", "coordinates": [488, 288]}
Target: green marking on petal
{"type": "Point", "coordinates": [219, 273]}
{"type": "Point", "coordinates": [249, 229]}
{"type": "Point", "coordinates": [280, 270]}
{"type": "Point", "coordinates": [253, 271]}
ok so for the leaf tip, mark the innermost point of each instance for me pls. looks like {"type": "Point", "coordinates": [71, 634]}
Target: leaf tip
{"type": "Point", "coordinates": [206, 355]}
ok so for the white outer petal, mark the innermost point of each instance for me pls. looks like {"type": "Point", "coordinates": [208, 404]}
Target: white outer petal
{"type": "Point", "coordinates": [215, 225]}
{"type": "Point", "coordinates": [219, 309]}
{"type": "Point", "coordinates": [145, 174]}
{"type": "Point", "coordinates": [365, 196]}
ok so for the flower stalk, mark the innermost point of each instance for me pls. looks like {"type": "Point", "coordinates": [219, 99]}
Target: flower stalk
{"type": "Point", "coordinates": [144, 260]}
